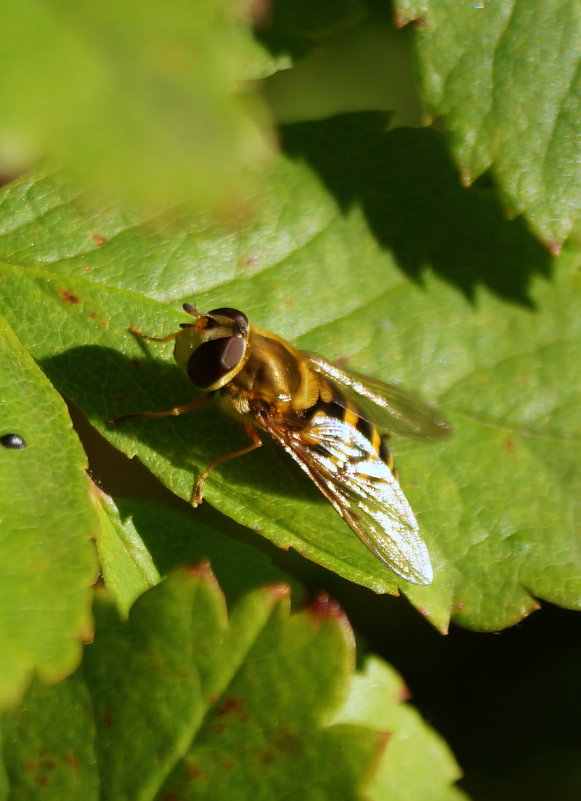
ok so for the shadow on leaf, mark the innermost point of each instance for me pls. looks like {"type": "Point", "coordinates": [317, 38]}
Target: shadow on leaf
{"type": "Point", "coordinates": [409, 189]}
{"type": "Point", "coordinates": [105, 384]}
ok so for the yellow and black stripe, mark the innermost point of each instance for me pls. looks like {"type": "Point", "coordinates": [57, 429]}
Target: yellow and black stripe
{"type": "Point", "coordinates": [344, 409]}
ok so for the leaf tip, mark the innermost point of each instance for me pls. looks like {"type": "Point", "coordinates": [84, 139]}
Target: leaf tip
{"type": "Point", "coordinates": [324, 608]}
{"type": "Point", "coordinates": [441, 627]}
{"type": "Point", "coordinates": [201, 570]}
{"type": "Point", "coordinates": [400, 20]}
{"type": "Point", "coordinates": [279, 590]}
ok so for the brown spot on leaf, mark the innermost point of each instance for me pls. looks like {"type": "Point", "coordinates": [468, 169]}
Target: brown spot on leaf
{"type": "Point", "coordinates": [40, 780]}
{"type": "Point", "coordinates": [72, 761]}
{"type": "Point", "coordinates": [287, 742]}
{"type": "Point", "coordinates": [233, 706]}
{"type": "Point", "coordinates": [193, 772]}
{"type": "Point", "coordinates": [266, 757]}
{"type": "Point", "coordinates": [250, 259]}
{"type": "Point", "coordinates": [99, 239]}
{"type": "Point", "coordinates": [107, 719]}
{"type": "Point", "coordinates": [69, 296]}
{"type": "Point", "coordinates": [217, 728]}
{"type": "Point", "coordinates": [509, 444]}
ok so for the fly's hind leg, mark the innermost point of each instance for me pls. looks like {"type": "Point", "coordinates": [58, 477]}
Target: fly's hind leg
{"type": "Point", "coordinates": [256, 443]}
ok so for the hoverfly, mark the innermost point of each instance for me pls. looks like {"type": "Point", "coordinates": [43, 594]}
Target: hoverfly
{"type": "Point", "coordinates": [327, 419]}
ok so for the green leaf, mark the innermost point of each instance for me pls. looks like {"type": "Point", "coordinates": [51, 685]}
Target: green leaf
{"type": "Point", "coordinates": [506, 77]}
{"type": "Point", "coordinates": [351, 257]}
{"type": "Point", "coordinates": [147, 101]}
{"type": "Point", "coordinates": [141, 541]}
{"type": "Point", "coordinates": [47, 562]}
{"type": "Point", "coordinates": [49, 750]}
{"type": "Point", "coordinates": [187, 700]}
{"type": "Point", "coordinates": [365, 66]}
{"type": "Point", "coordinates": [417, 763]}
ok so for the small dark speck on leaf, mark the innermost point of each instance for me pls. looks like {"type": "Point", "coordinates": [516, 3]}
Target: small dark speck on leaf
{"type": "Point", "coordinates": [509, 444]}
{"type": "Point", "coordinates": [12, 442]}
{"type": "Point", "coordinates": [136, 362]}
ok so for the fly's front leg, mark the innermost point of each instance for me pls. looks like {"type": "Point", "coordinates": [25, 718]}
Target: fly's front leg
{"type": "Point", "coordinates": [197, 403]}
{"type": "Point", "coordinates": [256, 443]}
{"type": "Point", "coordinates": [141, 335]}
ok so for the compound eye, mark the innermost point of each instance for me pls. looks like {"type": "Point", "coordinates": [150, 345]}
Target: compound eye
{"type": "Point", "coordinates": [236, 316]}
{"type": "Point", "coordinates": [213, 360]}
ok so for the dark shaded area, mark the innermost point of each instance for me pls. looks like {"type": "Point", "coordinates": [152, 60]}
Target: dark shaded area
{"type": "Point", "coordinates": [409, 189]}
{"type": "Point", "coordinates": [187, 441]}
{"type": "Point", "coordinates": [508, 704]}
{"type": "Point", "coordinates": [294, 26]}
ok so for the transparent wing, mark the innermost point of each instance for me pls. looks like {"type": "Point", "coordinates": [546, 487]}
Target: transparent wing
{"type": "Point", "coordinates": [389, 407]}
{"type": "Point", "coordinates": [344, 466]}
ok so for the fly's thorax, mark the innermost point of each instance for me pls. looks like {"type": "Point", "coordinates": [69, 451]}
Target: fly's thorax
{"type": "Point", "coordinates": [214, 348]}
{"type": "Point", "coordinates": [275, 374]}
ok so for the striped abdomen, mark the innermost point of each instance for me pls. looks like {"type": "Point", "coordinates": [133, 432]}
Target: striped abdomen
{"type": "Point", "coordinates": [333, 403]}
